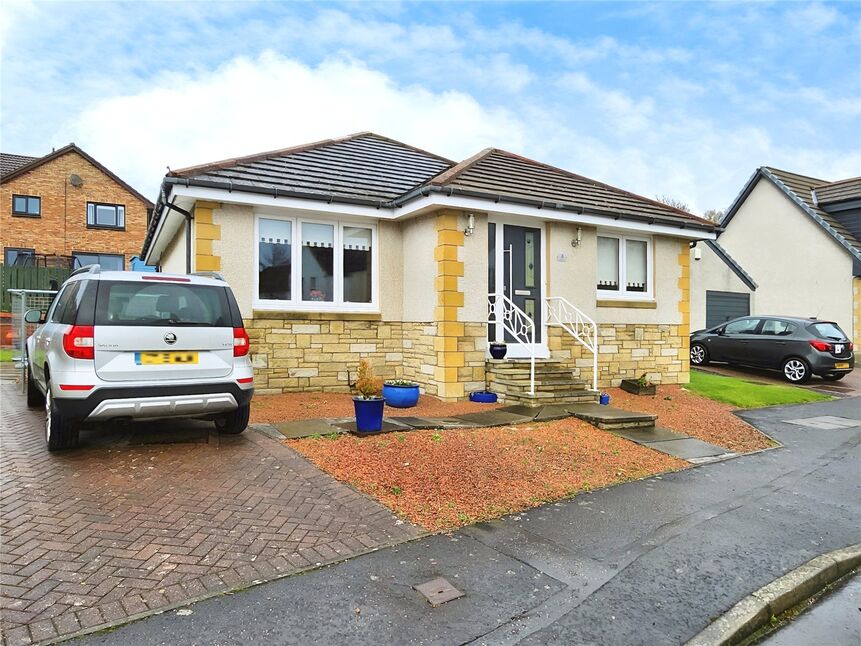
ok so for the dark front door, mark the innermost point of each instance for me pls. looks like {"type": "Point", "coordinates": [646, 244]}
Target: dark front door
{"type": "Point", "coordinates": [521, 260]}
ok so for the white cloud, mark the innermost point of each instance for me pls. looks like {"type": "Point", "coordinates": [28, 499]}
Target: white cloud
{"type": "Point", "coordinates": [813, 18]}
{"type": "Point", "coordinates": [251, 105]}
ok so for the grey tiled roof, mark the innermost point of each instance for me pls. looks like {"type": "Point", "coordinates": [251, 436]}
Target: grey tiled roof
{"type": "Point", "coordinates": [369, 169]}
{"type": "Point", "coordinates": [801, 187]}
{"type": "Point", "coordinates": [363, 167]}
{"type": "Point", "coordinates": [845, 189]}
{"type": "Point", "coordinates": [10, 162]}
{"type": "Point", "coordinates": [495, 173]}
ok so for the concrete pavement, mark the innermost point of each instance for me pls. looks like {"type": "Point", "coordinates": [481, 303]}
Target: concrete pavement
{"type": "Point", "coordinates": [649, 562]}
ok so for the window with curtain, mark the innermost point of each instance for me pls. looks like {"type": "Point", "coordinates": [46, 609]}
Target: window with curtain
{"type": "Point", "coordinates": [274, 259]}
{"type": "Point", "coordinates": [636, 269]}
{"type": "Point", "coordinates": [318, 262]}
{"type": "Point", "coordinates": [608, 264]}
{"type": "Point", "coordinates": [331, 264]}
{"type": "Point", "coordinates": [623, 266]}
{"type": "Point", "coordinates": [357, 264]}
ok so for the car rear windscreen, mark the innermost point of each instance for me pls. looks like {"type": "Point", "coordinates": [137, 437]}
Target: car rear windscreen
{"type": "Point", "coordinates": [829, 331]}
{"type": "Point", "coordinates": [162, 303]}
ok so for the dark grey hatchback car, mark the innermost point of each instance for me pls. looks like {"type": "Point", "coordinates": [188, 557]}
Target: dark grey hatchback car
{"type": "Point", "coordinates": [798, 347]}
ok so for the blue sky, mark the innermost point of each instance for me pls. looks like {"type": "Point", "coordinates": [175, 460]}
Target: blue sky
{"type": "Point", "coordinates": [681, 99]}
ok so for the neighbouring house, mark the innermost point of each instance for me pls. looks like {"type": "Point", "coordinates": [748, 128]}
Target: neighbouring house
{"type": "Point", "coordinates": [368, 247]}
{"type": "Point", "coordinates": [789, 244]}
{"type": "Point", "coordinates": [66, 208]}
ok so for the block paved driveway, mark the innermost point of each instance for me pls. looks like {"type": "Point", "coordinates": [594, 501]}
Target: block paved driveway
{"type": "Point", "coordinates": [134, 521]}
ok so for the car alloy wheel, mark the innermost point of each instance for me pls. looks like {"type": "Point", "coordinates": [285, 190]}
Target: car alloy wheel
{"type": "Point", "coordinates": [698, 354]}
{"type": "Point", "coordinates": [795, 370]}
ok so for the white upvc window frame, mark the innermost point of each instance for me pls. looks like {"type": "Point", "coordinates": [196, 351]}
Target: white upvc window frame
{"type": "Point", "coordinates": [622, 294]}
{"type": "Point", "coordinates": [338, 304]}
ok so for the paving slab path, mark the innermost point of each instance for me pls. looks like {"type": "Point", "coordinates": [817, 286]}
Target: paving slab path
{"type": "Point", "coordinates": [648, 562]}
{"type": "Point", "coordinates": [137, 520]}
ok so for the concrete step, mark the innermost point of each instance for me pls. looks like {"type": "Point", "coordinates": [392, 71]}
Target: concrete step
{"type": "Point", "coordinates": [539, 398]}
{"type": "Point", "coordinates": [558, 386]}
{"type": "Point", "coordinates": [609, 418]}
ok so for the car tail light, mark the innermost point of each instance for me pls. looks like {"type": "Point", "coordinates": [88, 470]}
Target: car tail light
{"type": "Point", "coordinates": [241, 344]}
{"type": "Point", "coordinates": [79, 342]}
{"type": "Point", "coordinates": [822, 346]}
{"type": "Point", "coordinates": [849, 346]}
{"type": "Point", "coordinates": [75, 387]}
{"type": "Point", "coordinates": [245, 380]}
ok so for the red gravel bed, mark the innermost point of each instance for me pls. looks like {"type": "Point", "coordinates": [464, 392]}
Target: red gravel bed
{"type": "Point", "coordinates": [449, 478]}
{"type": "Point", "coordinates": [706, 419]}
{"type": "Point", "coordinates": [288, 407]}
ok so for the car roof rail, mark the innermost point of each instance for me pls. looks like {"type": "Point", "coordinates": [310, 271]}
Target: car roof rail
{"type": "Point", "coordinates": [86, 269]}
{"type": "Point", "coordinates": [208, 274]}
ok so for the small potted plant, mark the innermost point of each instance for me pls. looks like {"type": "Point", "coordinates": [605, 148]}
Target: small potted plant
{"type": "Point", "coordinates": [640, 386]}
{"type": "Point", "coordinates": [401, 393]}
{"type": "Point", "coordinates": [368, 403]}
{"type": "Point", "coordinates": [498, 350]}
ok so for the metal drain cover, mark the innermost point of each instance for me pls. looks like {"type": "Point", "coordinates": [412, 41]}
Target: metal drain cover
{"type": "Point", "coordinates": [438, 591]}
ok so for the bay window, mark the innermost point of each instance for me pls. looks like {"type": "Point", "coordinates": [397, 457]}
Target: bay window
{"type": "Point", "coordinates": [315, 265]}
{"type": "Point", "coordinates": [624, 267]}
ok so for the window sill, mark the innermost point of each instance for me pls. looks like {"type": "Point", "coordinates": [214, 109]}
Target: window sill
{"type": "Point", "coordinates": [104, 227]}
{"type": "Point", "coordinates": [633, 304]}
{"type": "Point", "coordinates": [26, 215]}
{"type": "Point", "coordinates": [316, 315]}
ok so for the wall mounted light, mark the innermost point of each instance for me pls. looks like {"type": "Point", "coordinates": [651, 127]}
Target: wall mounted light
{"type": "Point", "coordinates": [575, 242]}
{"type": "Point", "coordinates": [470, 225]}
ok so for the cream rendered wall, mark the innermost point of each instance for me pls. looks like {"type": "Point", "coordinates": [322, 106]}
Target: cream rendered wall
{"type": "Point", "coordinates": [575, 277]}
{"type": "Point", "coordinates": [799, 269]}
{"type": "Point", "coordinates": [473, 284]}
{"type": "Point", "coordinates": [172, 259]}
{"type": "Point", "coordinates": [391, 268]}
{"type": "Point", "coordinates": [710, 273]}
{"type": "Point", "coordinates": [419, 238]}
{"type": "Point", "coordinates": [236, 249]}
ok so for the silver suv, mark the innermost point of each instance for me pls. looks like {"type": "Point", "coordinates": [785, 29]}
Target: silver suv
{"type": "Point", "coordinates": [119, 345]}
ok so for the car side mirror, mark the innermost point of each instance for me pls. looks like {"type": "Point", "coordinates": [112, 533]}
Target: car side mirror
{"type": "Point", "coordinates": [33, 316]}
{"type": "Point", "coordinates": [719, 331]}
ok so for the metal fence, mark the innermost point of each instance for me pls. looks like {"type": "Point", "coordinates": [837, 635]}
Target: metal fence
{"type": "Point", "coordinates": [23, 300]}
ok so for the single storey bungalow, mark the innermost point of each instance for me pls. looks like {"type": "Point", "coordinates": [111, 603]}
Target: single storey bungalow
{"type": "Point", "coordinates": [367, 247]}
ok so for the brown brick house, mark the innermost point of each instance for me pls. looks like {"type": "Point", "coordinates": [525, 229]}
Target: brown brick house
{"type": "Point", "coordinates": [67, 204]}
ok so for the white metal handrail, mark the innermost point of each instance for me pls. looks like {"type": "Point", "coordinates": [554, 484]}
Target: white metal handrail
{"type": "Point", "coordinates": [561, 313]}
{"type": "Point", "coordinates": [501, 310]}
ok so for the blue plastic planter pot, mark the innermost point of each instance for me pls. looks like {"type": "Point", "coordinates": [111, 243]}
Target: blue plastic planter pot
{"type": "Point", "coordinates": [483, 397]}
{"type": "Point", "coordinates": [498, 350]}
{"type": "Point", "coordinates": [400, 396]}
{"type": "Point", "coordinates": [369, 414]}
{"type": "Point", "coordinates": [604, 399]}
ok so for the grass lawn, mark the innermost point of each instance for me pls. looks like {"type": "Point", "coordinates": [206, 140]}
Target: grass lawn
{"type": "Point", "coordinates": [6, 355]}
{"type": "Point", "coordinates": [454, 477]}
{"type": "Point", "coordinates": [749, 394]}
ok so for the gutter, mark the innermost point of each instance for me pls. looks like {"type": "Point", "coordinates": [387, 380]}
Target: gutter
{"type": "Point", "coordinates": [451, 191]}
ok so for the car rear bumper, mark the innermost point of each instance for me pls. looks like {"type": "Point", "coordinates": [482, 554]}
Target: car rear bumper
{"type": "Point", "coordinates": [153, 402]}
{"type": "Point", "coordinates": [826, 365]}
